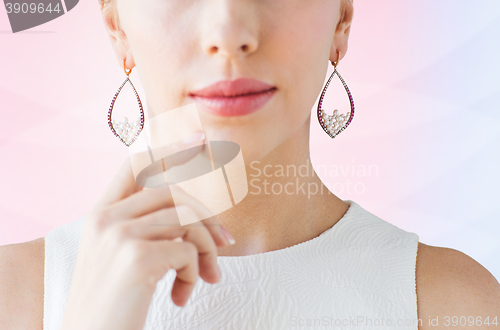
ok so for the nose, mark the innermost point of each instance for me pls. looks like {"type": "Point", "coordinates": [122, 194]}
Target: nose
{"type": "Point", "coordinates": [230, 28]}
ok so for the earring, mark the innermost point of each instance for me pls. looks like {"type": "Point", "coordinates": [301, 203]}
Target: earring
{"type": "Point", "coordinates": [125, 131]}
{"type": "Point", "coordinates": [336, 123]}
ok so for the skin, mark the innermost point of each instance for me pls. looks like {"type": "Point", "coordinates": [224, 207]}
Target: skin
{"type": "Point", "coordinates": [248, 40]}
{"type": "Point", "coordinates": [179, 46]}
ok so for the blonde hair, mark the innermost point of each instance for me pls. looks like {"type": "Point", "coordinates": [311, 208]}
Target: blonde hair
{"type": "Point", "coordinates": [108, 7]}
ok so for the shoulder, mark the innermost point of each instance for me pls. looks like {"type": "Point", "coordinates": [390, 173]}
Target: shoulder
{"type": "Point", "coordinates": [453, 289]}
{"type": "Point", "coordinates": [22, 285]}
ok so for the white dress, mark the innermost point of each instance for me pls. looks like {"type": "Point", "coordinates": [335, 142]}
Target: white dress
{"type": "Point", "coordinates": [359, 274]}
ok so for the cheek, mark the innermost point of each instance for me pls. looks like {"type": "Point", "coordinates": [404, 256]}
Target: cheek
{"type": "Point", "coordinates": [304, 38]}
{"type": "Point", "coordinates": [295, 39]}
{"type": "Point", "coordinates": [163, 46]}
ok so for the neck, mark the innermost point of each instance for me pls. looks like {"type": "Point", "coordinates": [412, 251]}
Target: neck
{"type": "Point", "coordinates": [287, 203]}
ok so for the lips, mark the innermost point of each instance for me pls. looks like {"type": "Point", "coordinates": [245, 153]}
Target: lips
{"type": "Point", "coordinates": [234, 97]}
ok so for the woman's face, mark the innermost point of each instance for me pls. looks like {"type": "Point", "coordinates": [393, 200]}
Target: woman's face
{"type": "Point", "coordinates": [182, 46]}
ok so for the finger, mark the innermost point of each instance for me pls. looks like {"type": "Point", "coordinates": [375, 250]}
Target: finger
{"type": "Point", "coordinates": [142, 203]}
{"type": "Point", "coordinates": [183, 257]}
{"type": "Point", "coordinates": [163, 224]}
{"type": "Point", "coordinates": [153, 176]}
{"type": "Point", "coordinates": [205, 216]}
{"type": "Point", "coordinates": [152, 200]}
{"type": "Point", "coordinates": [124, 183]}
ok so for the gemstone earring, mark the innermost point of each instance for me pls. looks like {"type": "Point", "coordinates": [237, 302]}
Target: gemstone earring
{"type": "Point", "coordinates": [125, 131]}
{"type": "Point", "coordinates": [336, 123]}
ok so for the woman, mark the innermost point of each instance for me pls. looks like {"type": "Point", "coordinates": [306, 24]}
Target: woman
{"type": "Point", "coordinates": [290, 261]}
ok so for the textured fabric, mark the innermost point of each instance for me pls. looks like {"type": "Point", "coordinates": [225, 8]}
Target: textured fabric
{"type": "Point", "coordinates": [359, 274]}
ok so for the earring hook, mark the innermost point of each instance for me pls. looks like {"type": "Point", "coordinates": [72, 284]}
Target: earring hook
{"type": "Point", "coordinates": [336, 62]}
{"type": "Point", "coordinates": [127, 71]}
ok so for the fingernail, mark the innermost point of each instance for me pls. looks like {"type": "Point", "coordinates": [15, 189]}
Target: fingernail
{"type": "Point", "coordinates": [196, 137]}
{"type": "Point", "coordinates": [227, 235]}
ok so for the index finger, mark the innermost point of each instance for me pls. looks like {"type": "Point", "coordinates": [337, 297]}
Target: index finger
{"type": "Point", "coordinates": [124, 183]}
{"type": "Point", "coordinates": [121, 186]}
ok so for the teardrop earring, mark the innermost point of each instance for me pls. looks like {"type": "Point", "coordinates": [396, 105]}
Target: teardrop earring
{"type": "Point", "coordinates": [125, 131]}
{"type": "Point", "coordinates": [336, 123]}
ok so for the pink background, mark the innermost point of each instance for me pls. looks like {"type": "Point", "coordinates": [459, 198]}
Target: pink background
{"type": "Point", "coordinates": [424, 76]}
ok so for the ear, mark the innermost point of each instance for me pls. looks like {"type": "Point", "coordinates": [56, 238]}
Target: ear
{"type": "Point", "coordinates": [341, 36]}
{"type": "Point", "coordinates": [118, 40]}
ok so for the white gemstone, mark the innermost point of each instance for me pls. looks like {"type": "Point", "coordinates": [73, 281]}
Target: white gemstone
{"type": "Point", "coordinates": [124, 120]}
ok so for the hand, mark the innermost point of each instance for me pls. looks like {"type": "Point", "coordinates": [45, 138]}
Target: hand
{"type": "Point", "coordinates": [123, 253]}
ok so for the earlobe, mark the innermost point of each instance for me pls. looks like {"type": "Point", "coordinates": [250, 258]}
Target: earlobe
{"type": "Point", "coordinates": [340, 43]}
{"type": "Point", "coordinates": [342, 29]}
